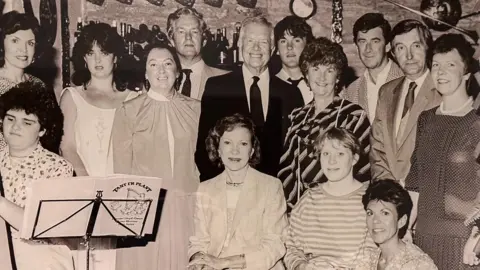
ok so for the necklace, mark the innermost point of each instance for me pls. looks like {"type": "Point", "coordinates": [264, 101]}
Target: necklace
{"type": "Point", "coordinates": [454, 111]}
{"type": "Point", "coordinates": [231, 183]}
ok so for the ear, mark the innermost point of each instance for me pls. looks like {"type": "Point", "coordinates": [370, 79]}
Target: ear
{"type": "Point", "coordinates": [388, 47]}
{"type": "Point", "coordinates": [41, 133]}
{"type": "Point", "coordinates": [402, 221]}
{"type": "Point", "coordinates": [356, 157]}
{"type": "Point", "coordinates": [252, 152]}
{"type": "Point", "coordinates": [114, 59]}
{"type": "Point", "coordinates": [467, 76]}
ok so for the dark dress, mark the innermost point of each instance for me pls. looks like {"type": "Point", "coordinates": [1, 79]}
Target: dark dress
{"type": "Point", "coordinates": [446, 175]}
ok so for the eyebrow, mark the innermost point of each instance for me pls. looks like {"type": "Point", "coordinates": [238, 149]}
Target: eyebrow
{"type": "Point", "coordinates": [23, 118]}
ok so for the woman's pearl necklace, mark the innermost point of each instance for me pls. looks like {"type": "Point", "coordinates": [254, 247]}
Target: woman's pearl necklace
{"type": "Point", "coordinates": [454, 111]}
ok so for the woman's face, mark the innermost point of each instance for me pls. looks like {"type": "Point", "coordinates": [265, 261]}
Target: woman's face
{"type": "Point", "coordinates": [19, 49]}
{"type": "Point", "coordinates": [235, 148]}
{"type": "Point", "coordinates": [322, 80]}
{"type": "Point", "coordinates": [21, 131]}
{"type": "Point", "coordinates": [336, 160]}
{"type": "Point", "coordinates": [382, 221]}
{"type": "Point", "coordinates": [448, 72]}
{"type": "Point", "coordinates": [99, 62]}
{"type": "Point", "coordinates": [161, 69]}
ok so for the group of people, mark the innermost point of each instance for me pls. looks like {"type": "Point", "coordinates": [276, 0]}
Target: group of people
{"type": "Point", "coordinates": [294, 170]}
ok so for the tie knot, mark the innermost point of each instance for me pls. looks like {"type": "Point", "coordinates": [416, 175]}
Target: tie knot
{"type": "Point", "coordinates": [187, 72]}
{"type": "Point", "coordinates": [412, 86]}
{"type": "Point", "coordinates": [255, 79]}
{"type": "Point", "coordinates": [295, 82]}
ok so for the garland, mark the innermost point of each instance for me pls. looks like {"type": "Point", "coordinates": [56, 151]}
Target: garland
{"type": "Point", "coordinates": [337, 18]}
{"type": "Point", "coordinates": [65, 24]}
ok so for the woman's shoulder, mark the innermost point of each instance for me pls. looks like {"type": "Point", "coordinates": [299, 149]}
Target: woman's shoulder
{"type": "Point", "coordinates": [414, 256]}
{"type": "Point", "coordinates": [34, 79]}
{"type": "Point", "coordinates": [53, 161]}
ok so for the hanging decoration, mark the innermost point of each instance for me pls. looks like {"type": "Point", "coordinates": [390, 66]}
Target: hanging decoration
{"type": "Point", "coordinates": [97, 2]}
{"type": "Point", "coordinates": [214, 3]}
{"type": "Point", "coordinates": [247, 3]}
{"type": "Point", "coordinates": [127, 2]}
{"type": "Point", "coordinates": [48, 20]}
{"type": "Point", "coordinates": [337, 18]}
{"type": "Point", "coordinates": [156, 2]}
{"type": "Point", "coordinates": [65, 24]}
{"type": "Point", "coordinates": [187, 3]}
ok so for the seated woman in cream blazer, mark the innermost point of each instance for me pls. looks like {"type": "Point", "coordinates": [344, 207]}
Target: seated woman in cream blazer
{"type": "Point", "coordinates": [240, 214]}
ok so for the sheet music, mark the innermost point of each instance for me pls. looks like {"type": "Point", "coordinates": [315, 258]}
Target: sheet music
{"type": "Point", "coordinates": [61, 207]}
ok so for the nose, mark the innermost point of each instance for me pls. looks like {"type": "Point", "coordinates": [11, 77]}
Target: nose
{"type": "Point", "coordinates": [235, 149]}
{"type": "Point", "coordinates": [97, 57]}
{"type": "Point", "coordinates": [409, 54]}
{"type": "Point", "coordinates": [188, 35]}
{"type": "Point", "coordinates": [440, 70]}
{"type": "Point", "coordinates": [290, 45]}
{"type": "Point", "coordinates": [256, 45]}
{"type": "Point", "coordinates": [368, 47]}
{"type": "Point", "coordinates": [332, 159]}
{"type": "Point", "coordinates": [22, 47]}
{"type": "Point", "coordinates": [16, 125]}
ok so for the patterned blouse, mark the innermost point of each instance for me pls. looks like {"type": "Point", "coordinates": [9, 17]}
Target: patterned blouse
{"type": "Point", "coordinates": [305, 127]}
{"type": "Point", "coordinates": [19, 173]}
{"type": "Point", "coordinates": [412, 258]}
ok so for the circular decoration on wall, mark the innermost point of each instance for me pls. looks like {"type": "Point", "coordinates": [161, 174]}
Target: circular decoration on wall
{"type": "Point", "coordinates": [247, 3]}
{"type": "Point", "coordinates": [187, 3]}
{"type": "Point", "coordinates": [156, 2]}
{"type": "Point", "coordinates": [303, 8]}
{"type": "Point", "coordinates": [214, 3]}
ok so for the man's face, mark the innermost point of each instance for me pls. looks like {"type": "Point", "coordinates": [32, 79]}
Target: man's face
{"type": "Point", "coordinates": [371, 47]}
{"type": "Point", "coordinates": [290, 48]}
{"type": "Point", "coordinates": [187, 36]}
{"type": "Point", "coordinates": [256, 47]}
{"type": "Point", "coordinates": [411, 53]}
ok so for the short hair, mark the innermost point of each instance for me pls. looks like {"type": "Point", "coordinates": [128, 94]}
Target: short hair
{"type": "Point", "coordinates": [406, 26]}
{"type": "Point", "coordinates": [388, 190]}
{"type": "Point", "coordinates": [369, 21]}
{"type": "Point", "coordinates": [342, 135]}
{"type": "Point", "coordinates": [10, 23]}
{"type": "Point", "coordinates": [184, 11]}
{"type": "Point", "coordinates": [37, 99]}
{"type": "Point", "coordinates": [229, 123]}
{"type": "Point", "coordinates": [160, 46]}
{"type": "Point", "coordinates": [105, 37]}
{"type": "Point", "coordinates": [448, 42]}
{"type": "Point", "coordinates": [295, 26]}
{"type": "Point", "coordinates": [258, 19]}
{"type": "Point", "coordinates": [322, 51]}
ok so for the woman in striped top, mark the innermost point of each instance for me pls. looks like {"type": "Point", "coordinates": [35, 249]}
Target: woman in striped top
{"type": "Point", "coordinates": [328, 226]}
{"type": "Point", "coordinates": [322, 63]}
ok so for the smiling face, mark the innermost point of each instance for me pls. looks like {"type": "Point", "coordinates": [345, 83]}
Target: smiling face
{"type": "Point", "coordinates": [290, 48]}
{"type": "Point", "coordinates": [187, 36]}
{"type": "Point", "coordinates": [161, 70]}
{"type": "Point", "coordinates": [256, 47]}
{"type": "Point", "coordinates": [99, 62]}
{"type": "Point", "coordinates": [322, 80]}
{"type": "Point", "coordinates": [382, 221]}
{"type": "Point", "coordinates": [448, 72]}
{"type": "Point", "coordinates": [336, 160]}
{"type": "Point", "coordinates": [21, 131]}
{"type": "Point", "coordinates": [235, 148]}
{"type": "Point", "coordinates": [410, 52]}
{"type": "Point", "coordinates": [371, 47]}
{"type": "Point", "coordinates": [19, 49]}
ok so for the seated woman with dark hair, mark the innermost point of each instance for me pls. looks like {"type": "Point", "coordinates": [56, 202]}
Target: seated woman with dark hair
{"type": "Point", "coordinates": [240, 214]}
{"type": "Point", "coordinates": [388, 206]}
{"type": "Point", "coordinates": [327, 227]}
{"type": "Point", "coordinates": [32, 128]}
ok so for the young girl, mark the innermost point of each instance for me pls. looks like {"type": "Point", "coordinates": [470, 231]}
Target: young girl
{"type": "Point", "coordinates": [328, 227]}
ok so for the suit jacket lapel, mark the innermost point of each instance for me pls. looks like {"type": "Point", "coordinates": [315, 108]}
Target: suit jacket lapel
{"type": "Point", "coordinates": [206, 73]}
{"type": "Point", "coordinates": [392, 112]}
{"type": "Point", "coordinates": [247, 200]}
{"type": "Point", "coordinates": [363, 95]}
{"type": "Point", "coordinates": [220, 200]}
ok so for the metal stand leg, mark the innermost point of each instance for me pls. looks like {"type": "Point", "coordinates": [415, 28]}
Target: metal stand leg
{"type": "Point", "coordinates": [87, 246]}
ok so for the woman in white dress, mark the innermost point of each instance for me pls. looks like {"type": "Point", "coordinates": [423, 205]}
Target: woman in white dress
{"type": "Point", "coordinates": [89, 110]}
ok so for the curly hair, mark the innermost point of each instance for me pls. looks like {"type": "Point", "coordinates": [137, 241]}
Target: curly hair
{"type": "Point", "coordinates": [10, 23]}
{"type": "Point", "coordinates": [35, 98]}
{"type": "Point", "coordinates": [105, 37]}
{"type": "Point", "coordinates": [295, 26]}
{"type": "Point", "coordinates": [448, 42]}
{"type": "Point", "coordinates": [229, 123]}
{"type": "Point", "coordinates": [184, 11]}
{"type": "Point", "coordinates": [322, 51]}
{"type": "Point", "coordinates": [388, 190]}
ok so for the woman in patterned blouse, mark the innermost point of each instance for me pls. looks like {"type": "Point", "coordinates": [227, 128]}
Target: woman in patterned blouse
{"type": "Point", "coordinates": [32, 126]}
{"type": "Point", "coordinates": [322, 63]}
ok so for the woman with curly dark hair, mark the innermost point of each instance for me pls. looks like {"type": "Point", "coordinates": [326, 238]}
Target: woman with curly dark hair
{"type": "Point", "coordinates": [90, 107]}
{"type": "Point", "coordinates": [252, 204]}
{"type": "Point", "coordinates": [322, 63]}
{"type": "Point", "coordinates": [32, 126]}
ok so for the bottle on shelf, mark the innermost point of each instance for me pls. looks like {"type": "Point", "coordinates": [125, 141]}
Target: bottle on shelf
{"type": "Point", "coordinates": [235, 50]}
{"type": "Point", "coordinates": [79, 28]}
{"type": "Point", "coordinates": [222, 48]}
{"type": "Point", "coordinates": [114, 25]}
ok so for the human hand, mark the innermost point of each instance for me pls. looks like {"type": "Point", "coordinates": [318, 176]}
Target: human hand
{"type": "Point", "coordinates": [469, 255]}
{"type": "Point", "coordinates": [408, 237]}
{"type": "Point", "coordinates": [207, 260]}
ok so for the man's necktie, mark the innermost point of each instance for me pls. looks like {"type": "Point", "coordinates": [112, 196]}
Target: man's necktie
{"type": "Point", "coordinates": [187, 85]}
{"type": "Point", "coordinates": [256, 108]}
{"type": "Point", "coordinates": [409, 99]}
{"type": "Point", "coordinates": [295, 82]}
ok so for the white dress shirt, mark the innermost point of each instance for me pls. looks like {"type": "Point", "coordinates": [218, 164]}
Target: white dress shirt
{"type": "Point", "coordinates": [263, 84]}
{"type": "Point", "coordinates": [374, 88]}
{"type": "Point", "coordinates": [195, 78]}
{"type": "Point", "coordinates": [307, 93]}
{"type": "Point", "coordinates": [171, 145]}
{"type": "Point", "coordinates": [419, 81]}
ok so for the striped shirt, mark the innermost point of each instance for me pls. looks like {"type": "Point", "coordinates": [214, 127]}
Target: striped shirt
{"type": "Point", "coordinates": [327, 231]}
{"type": "Point", "coordinates": [299, 167]}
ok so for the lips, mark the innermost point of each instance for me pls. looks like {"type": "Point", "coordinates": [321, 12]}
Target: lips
{"type": "Point", "coordinates": [22, 58]}
{"type": "Point", "coordinates": [442, 81]}
{"type": "Point", "coordinates": [235, 159]}
{"type": "Point", "coordinates": [98, 67]}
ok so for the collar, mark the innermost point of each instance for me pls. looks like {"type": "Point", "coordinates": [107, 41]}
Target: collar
{"type": "Point", "coordinates": [247, 75]}
{"type": "Point", "coordinates": [38, 149]}
{"type": "Point", "coordinates": [382, 76]}
{"type": "Point", "coordinates": [159, 97]}
{"type": "Point", "coordinates": [197, 67]}
{"type": "Point", "coordinates": [419, 81]}
{"type": "Point", "coordinates": [283, 75]}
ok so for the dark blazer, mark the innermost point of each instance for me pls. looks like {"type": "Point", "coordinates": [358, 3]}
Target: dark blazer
{"type": "Point", "coordinates": [225, 95]}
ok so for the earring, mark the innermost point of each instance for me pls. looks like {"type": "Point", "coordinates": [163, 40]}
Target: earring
{"type": "Point", "coordinates": [147, 84]}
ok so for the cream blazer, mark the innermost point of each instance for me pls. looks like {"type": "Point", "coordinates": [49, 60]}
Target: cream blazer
{"type": "Point", "coordinates": [259, 221]}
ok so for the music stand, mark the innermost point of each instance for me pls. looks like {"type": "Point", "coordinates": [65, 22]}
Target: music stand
{"type": "Point", "coordinates": [113, 215]}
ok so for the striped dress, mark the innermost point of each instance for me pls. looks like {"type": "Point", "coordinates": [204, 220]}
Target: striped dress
{"type": "Point", "coordinates": [327, 231]}
{"type": "Point", "coordinates": [299, 156]}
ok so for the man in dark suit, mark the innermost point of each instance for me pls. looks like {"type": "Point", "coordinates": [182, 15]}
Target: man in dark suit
{"type": "Point", "coordinates": [252, 91]}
